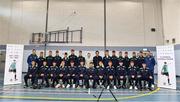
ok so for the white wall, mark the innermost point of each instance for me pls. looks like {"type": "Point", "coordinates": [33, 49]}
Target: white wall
{"type": "Point", "coordinates": [171, 19]}
{"type": "Point", "coordinates": [128, 21]}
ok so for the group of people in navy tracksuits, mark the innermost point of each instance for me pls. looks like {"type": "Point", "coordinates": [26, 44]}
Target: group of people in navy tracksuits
{"type": "Point", "coordinates": [103, 72]}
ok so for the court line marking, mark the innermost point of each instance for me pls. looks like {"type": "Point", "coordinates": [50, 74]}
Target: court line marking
{"type": "Point", "coordinates": [77, 99]}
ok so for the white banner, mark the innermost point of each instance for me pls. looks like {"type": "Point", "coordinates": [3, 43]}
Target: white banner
{"type": "Point", "coordinates": [13, 65]}
{"type": "Point", "coordinates": [166, 66]}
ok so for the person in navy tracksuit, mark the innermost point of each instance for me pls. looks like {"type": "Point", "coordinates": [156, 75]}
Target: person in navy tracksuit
{"type": "Point", "coordinates": [42, 73]}
{"type": "Point", "coordinates": [73, 58]}
{"type": "Point", "coordinates": [66, 59]}
{"type": "Point", "coordinates": [134, 59]}
{"type": "Point", "coordinates": [40, 60]}
{"type": "Point", "coordinates": [145, 77]}
{"type": "Point", "coordinates": [114, 59]}
{"type": "Point", "coordinates": [31, 74]}
{"type": "Point", "coordinates": [132, 73]}
{"type": "Point", "coordinates": [52, 74]}
{"type": "Point", "coordinates": [50, 59]}
{"type": "Point", "coordinates": [106, 58]}
{"type": "Point", "coordinates": [97, 59]}
{"type": "Point", "coordinates": [81, 74]}
{"type": "Point", "coordinates": [110, 70]}
{"type": "Point", "coordinates": [57, 58]}
{"type": "Point", "coordinates": [81, 58]}
{"type": "Point", "coordinates": [91, 77]}
{"type": "Point", "coordinates": [150, 62]}
{"type": "Point", "coordinates": [120, 58]}
{"type": "Point", "coordinates": [72, 75]}
{"type": "Point", "coordinates": [101, 72]}
{"type": "Point", "coordinates": [62, 74]}
{"type": "Point", "coordinates": [126, 60]}
{"type": "Point", "coordinates": [32, 57]}
{"type": "Point", "coordinates": [121, 75]}
{"type": "Point", "coordinates": [141, 59]}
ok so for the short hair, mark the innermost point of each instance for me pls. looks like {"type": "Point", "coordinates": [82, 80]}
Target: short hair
{"type": "Point", "coordinates": [57, 51]}
{"type": "Point", "coordinates": [106, 50]}
{"type": "Point", "coordinates": [113, 51]}
{"type": "Point", "coordinates": [50, 51]}
{"type": "Point", "coordinates": [65, 53]}
{"type": "Point", "coordinates": [97, 51]}
{"type": "Point", "coordinates": [80, 51]}
{"type": "Point", "coordinates": [126, 52]}
{"type": "Point", "coordinates": [71, 61]}
{"type": "Point", "coordinates": [72, 49]}
{"type": "Point", "coordinates": [110, 61]}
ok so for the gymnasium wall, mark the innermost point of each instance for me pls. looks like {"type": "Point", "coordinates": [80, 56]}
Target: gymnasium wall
{"type": "Point", "coordinates": [171, 20]}
{"type": "Point", "coordinates": [129, 22]}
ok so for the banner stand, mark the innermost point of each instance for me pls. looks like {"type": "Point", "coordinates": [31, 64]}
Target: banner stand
{"type": "Point", "coordinates": [166, 67]}
{"type": "Point", "coordinates": [13, 64]}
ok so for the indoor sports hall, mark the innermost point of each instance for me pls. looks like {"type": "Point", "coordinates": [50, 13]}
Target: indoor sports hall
{"type": "Point", "coordinates": [90, 50]}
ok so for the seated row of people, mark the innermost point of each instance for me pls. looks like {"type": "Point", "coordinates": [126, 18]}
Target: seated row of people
{"type": "Point", "coordinates": [131, 77]}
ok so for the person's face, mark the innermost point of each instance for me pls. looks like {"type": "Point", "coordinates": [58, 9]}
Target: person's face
{"type": "Point", "coordinates": [144, 65]}
{"type": "Point", "coordinates": [140, 54]}
{"type": "Point", "coordinates": [44, 63]}
{"type": "Point", "coordinates": [100, 63]}
{"type": "Point", "coordinates": [126, 54]}
{"type": "Point", "coordinates": [114, 53]}
{"type": "Point", "coordinates": [110, 63]}
{"type": "Point", "coordinates": [80, 53]}
{"type": "Point", "coordinates": [33, 52]}
{"type": "Point", "coordinates": [89, 55]}
{"type": "Point", "coordinates": [62, 63]}
{"type": "Point", "coordinates": [33, 63]}
{"type": "Point", "coordinates": [106, 53]}
{"type": "Point", "coordinates": [54, 64]}
{"type": "Point", "coordinates": [120, 53]}
{"type": "Point", "coordinates": [41, 54]}
{"type": "Point", "coordinates": [72, 63]}
{"type": "Point", "coordinates": [72, 52]}
{"type": "Point", "coordinates": [132, 63]}
{"type": "Point", "coordinates": [57, 53]}
{"type": "Point", "coordinates": [91, 65]}
{"type": "Point", "coordinates": [148, 53]}
{"type": "Point", "coordinates": [65, 55]}
{"type": "Point", "coordinates": [81, 63]}
{"type": "Point", "coordinates": [120, 63]}
{"type": "Point", "coordinates": [50, 53]}
{"type": "Point", "coordinates": [134, 54]}
{"type": "Point", "coordinates": [97, 53]}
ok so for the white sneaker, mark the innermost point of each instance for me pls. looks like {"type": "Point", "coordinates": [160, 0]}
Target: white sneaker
{"type": "Point", "coordinates": [108, 87]}
{"type": "Point", "coordinates": [153, 86]}
{"type": "Point", "coordinates": [115, 87]}
{"type": "Point", "coordinates": [63, 86]}
{"type": "Point", "coordinates": [73, 85]}
{"type": "Point", "coordinates": [84, 87]}
{"type": "Point", "coordinates": [135, 88]}
{"type": "Point", "coordinates": [68, 86]}
{"type": "Point", "coordinates": [130, 87]}
{"type": "Point", "coordinates": [57, 86]}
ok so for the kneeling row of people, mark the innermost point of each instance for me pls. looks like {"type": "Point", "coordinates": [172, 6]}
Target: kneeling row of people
{"type": "Point", "coordinates": [72, 76]}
